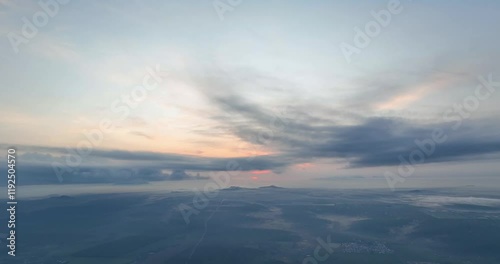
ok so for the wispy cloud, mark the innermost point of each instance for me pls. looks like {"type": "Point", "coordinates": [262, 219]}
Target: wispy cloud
{"type": "Point", "coordinates": [141, 134]}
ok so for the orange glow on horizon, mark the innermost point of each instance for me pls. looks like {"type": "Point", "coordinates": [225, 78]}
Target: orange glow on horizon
{"type": "Point", "coordinates": [303, 166]}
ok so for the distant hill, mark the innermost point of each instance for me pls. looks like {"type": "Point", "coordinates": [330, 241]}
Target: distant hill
{"type": "Point", "coordinates": [234, 188]}
{"type": "Point", "coordinates": [271, 187]}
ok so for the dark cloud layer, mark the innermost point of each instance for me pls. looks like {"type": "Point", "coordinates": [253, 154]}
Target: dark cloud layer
{"type": "Point", "coordinates": [40, 165]}
{"type": "Point", "coordinates": [303, 131]}
{"type": "Point", "coordinates": [369, 142]}
{"type": "Point", "coordinates": [297, 133]}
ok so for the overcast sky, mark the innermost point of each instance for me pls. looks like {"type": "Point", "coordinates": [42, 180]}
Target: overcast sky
{"type": "Point", "coordinates": [286, 90]}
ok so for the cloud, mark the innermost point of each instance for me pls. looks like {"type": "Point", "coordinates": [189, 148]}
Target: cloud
{"type": "Point", "coordinates": [177, 175]}
{"type": "Point", "coordinates": [370, 143]}
{"type": "Point", "coordinates": [117, 166]}
{"type": "Point", "coordinates": [380, 142]}
{"type": "Point", "coordinates": [141, 134]}
{"type": "Point", "coordinates": [417, 92]}
{"type": "Point", "coordinates": [43, 173]}
{"type": "Point", "coordinates": [292, 133]}
{"type": "Point", "coordinates": [363, 141]}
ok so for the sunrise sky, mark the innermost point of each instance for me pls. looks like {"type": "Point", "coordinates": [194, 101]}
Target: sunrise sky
{"type": "Point", "coordinates": [186, 87]}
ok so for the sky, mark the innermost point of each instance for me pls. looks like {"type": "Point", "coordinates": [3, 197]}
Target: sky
{"type": "Point", "coordinates": [303, 93]}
